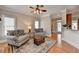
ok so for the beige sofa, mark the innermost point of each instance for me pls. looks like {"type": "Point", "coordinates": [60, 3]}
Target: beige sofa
{"type": "Point", "coordinates": [17, 37]}
{"type": "Point", "coordinates": [18, 41]}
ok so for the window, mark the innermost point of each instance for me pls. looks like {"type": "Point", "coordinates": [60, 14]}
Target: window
{"type": "Point", "coordinates": [36, 24]}
{"type": "Point", "coordinates": [9, 24]}
{"type": "Point", "coordinates": [74, 23]}
{"type": "Point", "coordinates": [74, 26]}
{"type": "Point", "coordinates": [59, 29]}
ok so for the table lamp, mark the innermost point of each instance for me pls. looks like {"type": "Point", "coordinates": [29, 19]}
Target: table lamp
{"type": "Point", "coordinates": [29, 27]}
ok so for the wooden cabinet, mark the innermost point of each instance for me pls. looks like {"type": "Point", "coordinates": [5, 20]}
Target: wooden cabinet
{"type": "Point", "coordinates": [69, 19]}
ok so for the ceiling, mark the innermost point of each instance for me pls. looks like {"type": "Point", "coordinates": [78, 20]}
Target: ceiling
{"type": "Point", "coordinates": [24, 9]}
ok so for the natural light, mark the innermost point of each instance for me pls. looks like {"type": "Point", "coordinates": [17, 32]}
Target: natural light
{"type": "Point", "coordinates": [36, 24]}
{"type": "Point", "coordinates": [9, 24]}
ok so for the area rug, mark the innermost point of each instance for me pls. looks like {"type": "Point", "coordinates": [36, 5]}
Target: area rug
{"type": "Point", "coordinates": [30, 47]}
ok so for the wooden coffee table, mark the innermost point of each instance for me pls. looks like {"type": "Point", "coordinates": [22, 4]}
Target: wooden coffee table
{"type": "Point", "coordinates": [38, 39]}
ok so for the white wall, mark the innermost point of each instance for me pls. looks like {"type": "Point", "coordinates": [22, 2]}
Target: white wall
{"type": "Point", "coordinates": [63, 13]}
{"type": "Point", "coordinates": [22, 20]}
{"type": "Point", "coordinates": [46, 24]}
{"type": "Point", "coordinates": [0, 29]}
{"type": "Point", "coordinates": [72, 37]}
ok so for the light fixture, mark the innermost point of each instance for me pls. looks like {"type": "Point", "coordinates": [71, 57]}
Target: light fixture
{"type": "Point", "coordinates": [37, 12]}
{"type": "Point", "coordinates": [38, 9]}
{"type": "Point", "coordinates": [29, 27]}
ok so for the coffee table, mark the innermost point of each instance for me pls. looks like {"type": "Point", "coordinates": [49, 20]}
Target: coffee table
{"type": "Point", "coordinates": [38, 39]}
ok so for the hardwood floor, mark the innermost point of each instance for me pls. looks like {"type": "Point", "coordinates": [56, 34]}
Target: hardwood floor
{"type": "Point", "coordinates": [65, 48]}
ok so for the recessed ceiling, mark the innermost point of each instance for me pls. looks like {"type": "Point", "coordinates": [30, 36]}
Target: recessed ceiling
{"type": "Point", "coordinates": [24, 9]}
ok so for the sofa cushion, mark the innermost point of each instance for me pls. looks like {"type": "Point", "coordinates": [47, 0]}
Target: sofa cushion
{"type": "Point", "coordinates": [22, 37]}
{"type": "Point", "coordinates": [12, 38]}
{"type": "Point", "coordinates": [39, 30]}
{"type": "Point", "coordinates": [15, 32]}
{"type": "Point", "coordinates": [17, 41]}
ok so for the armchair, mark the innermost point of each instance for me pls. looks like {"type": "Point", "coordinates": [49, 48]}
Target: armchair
{"type": "Point", "coordinates": [39, 31]}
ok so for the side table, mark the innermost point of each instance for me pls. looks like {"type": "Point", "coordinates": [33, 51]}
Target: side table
{"type": "Point", "coordinates": [4, 47]}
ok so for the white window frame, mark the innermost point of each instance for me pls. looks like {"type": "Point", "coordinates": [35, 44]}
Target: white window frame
{"type": "Point", "coordinates": [36, 24]}
{"type": "Point", "coordinates": [4, 32]}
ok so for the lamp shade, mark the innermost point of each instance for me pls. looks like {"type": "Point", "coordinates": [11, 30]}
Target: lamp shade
{"type": "Point", "coordinates": [29, 27]}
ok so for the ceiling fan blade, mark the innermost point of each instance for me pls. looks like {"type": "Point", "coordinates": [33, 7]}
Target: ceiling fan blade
{"type": "Point", "coordinates": [37, 6]}
{"type": "Point", "coordinates": [38, 9]}
{"type": "Point", "coordinates": [44, 10]}
{"type": "Point", "coordinates": [31, 7]}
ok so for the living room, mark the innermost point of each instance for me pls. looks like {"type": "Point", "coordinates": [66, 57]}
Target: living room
{"type": "Point", "coordinates": [23, 19]}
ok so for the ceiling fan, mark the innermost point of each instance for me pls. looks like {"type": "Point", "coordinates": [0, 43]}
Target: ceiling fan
{"type": "Point", "coordinates": [38, 9]}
